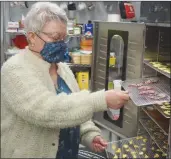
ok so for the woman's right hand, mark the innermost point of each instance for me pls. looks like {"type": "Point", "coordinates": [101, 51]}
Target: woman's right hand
{"type": "Point", "coordinates": [116, 99]}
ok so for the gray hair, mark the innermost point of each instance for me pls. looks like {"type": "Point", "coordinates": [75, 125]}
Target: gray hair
{"type": "Point", "coordinates": [42, 12]}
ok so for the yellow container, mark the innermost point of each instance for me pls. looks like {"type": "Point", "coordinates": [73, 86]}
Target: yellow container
{"type": "Point", "coordinates": [112, 61]}
{"type": "Point", "coordinates": [83, 80]}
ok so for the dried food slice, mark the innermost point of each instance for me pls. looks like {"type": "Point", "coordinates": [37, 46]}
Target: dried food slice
{"type": "Point", "coordinates": [165, 147]}
{"type": "Point", "coordinates": [124, 156]}
{"type": "Point", "coordinates": [115, 157]}
{"type": "Point", "coordinates": [145, 140]}
{"type": "Point", "coordinates": [164, 154]}
{"type": "Point", "coordinates": [156, 155]}
{"type": "Point", "coordinates": [114, 147]}
{"type": "Point", "coordinates": [118, 151]}
{"type": "Point", "coordinates": [158, 150]}
{"type": "Point", "coordinates": [134, 154]}
{"type": "Point", "coordinates": [141, 153]}
{"type": "Point", "coordinates": [146, 156]}
{"type": "Point", "coordinates": [164, 107]}
{"type": "Point", "coordinates": [144, 149]}
{"type": "Point", "coordinates": [136, 147]}
{"type": "Point", "coordinates": [153, 148]}
{"type": "Point", "coordinates": [139, 137]}
{"type": "Point", "coordinates": [131, 142]}
{"type": "Point", "coordinates": [125, 146]}
{"type": "Point", "coordinates": [167, 112]}
{"type": "Point", "coordinates": [166, 103]}
{"type": "Point", "coordinates": [142, 144]}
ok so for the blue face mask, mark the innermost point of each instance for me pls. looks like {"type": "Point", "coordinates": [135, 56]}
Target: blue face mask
{"type": "Point", "coordinates": [53, 52]}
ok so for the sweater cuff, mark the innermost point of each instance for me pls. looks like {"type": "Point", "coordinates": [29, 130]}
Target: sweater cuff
{"type": "Point", "coordinates": [87, 139]}
{"type": "Point", "coordinates": [99, 101]}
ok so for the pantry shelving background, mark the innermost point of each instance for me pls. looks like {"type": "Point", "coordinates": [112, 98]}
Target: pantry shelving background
{"type": "Point", "coordinates": [70, 36]}
{"type": "Point", "coordinates": [6, 36]}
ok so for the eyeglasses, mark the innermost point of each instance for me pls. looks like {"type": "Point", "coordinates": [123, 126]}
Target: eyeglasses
{"type": "Point", "coordinates": [55, 36]}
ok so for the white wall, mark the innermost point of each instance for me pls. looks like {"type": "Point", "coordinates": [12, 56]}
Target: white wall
{"type": "Point", "coordinates": [99, 13]}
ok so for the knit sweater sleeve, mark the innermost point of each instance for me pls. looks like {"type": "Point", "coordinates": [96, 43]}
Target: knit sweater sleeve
{"type": "Point", "coordinates": [88, 132]}
{"type": "Point", "coordinates": [25, 94]}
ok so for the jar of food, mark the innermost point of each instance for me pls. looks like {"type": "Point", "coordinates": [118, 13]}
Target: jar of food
{"type": "Point", "coordinates": [76, 57]}
{"type": "Point", "coordinates": [77, 30]}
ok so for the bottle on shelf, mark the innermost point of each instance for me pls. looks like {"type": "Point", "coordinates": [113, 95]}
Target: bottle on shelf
{"type": "Point", "coordinates": [70, 27]}
{"type": "Point", "coordinates": [21, 22]}
{"type": "Point", "coordinates": [112, 60]}
{"type": "Point", "coordinates": [88, 29]}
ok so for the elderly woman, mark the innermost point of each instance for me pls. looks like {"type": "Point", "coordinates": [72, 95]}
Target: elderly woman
{"type": "Point", "coordinates": [43, 113]}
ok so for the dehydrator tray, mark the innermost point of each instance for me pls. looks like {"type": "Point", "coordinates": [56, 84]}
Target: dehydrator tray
{"type": "Point", "coordinates": [157, 118]}
{"type": "Point", "coordinates": [156, 134]}
{"type": "Point", "coordinates": [158, 69]}
{"type": "Point", "coordinates": [137, 147]}
{"type": "Point", "coordinates": [164, 109]}
{"type": "Point", "coordinates": [160, 88]}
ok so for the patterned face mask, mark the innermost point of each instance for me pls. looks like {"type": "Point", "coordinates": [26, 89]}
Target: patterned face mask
{"type": "Point", "coordinates": [53, 52]}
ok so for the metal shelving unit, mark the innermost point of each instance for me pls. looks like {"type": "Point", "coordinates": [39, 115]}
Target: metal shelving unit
{"type": "Point", "coordinates": [79, 35]}
{"type": "Point", "coordinates": [155, 122]}
{"type": "Point", "coordinates": [20, 31]}
{"type": "Point", "coordinates": [78, 65]}
{"type": "Point", "coordinates": [159, 24]}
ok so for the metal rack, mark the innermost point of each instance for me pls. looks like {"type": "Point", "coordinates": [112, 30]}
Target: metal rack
{"type": "Point", "coordinates": [159, 138]}
{"type": "Point", "coordinates": [20, 31]}
{"type": "Point", "coordinates": [142, 100]}
{"type": "Point", "coordinates": [162, 111]}
{"type": "Point", "coordinates": [137, 147]}
{"type": "Point", "coordinates": [158, 119]}
{"type": "Point", "coordinates": [78, 65]}
{"type": "Point", "coordinates": [158, 70]}
{"type": "Point", "coordinates": [159, 24]}
{"type": "Point", "coordinates": [79, 35]}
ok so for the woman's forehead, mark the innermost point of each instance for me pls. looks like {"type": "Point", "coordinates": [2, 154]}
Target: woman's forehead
{"type": "Point", "coordinates": [54, 26]}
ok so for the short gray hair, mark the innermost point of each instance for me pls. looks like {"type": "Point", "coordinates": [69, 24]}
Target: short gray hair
{"type": "Point", "coordinates": [42, 12]}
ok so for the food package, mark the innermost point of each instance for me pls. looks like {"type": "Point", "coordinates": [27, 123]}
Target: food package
{"type": "Point", "coordinates": [86, 59]}
{"type": "Point", "coordinates": [86, 42]}
{"type": "Point", "coordinates": [86, 48]}
{"type": "Point", "coordinates": [83, 80]}
{"type": "Point", "coordinates": [76, 57]}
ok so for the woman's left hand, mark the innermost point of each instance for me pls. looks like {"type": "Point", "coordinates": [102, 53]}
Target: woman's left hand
{"type": "Point", "coordinates": [99, 144]}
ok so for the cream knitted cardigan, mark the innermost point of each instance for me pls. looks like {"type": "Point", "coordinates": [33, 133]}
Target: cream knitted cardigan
{"type": "Point", "coordinates": [31, 112]}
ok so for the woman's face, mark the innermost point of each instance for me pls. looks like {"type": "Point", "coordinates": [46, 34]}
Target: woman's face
{"type": "Point", "coordinates": [51, 32]}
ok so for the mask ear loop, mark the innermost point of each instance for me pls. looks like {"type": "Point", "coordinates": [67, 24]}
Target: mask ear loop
{"type": "Point", "coordinates": [39, 38]}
